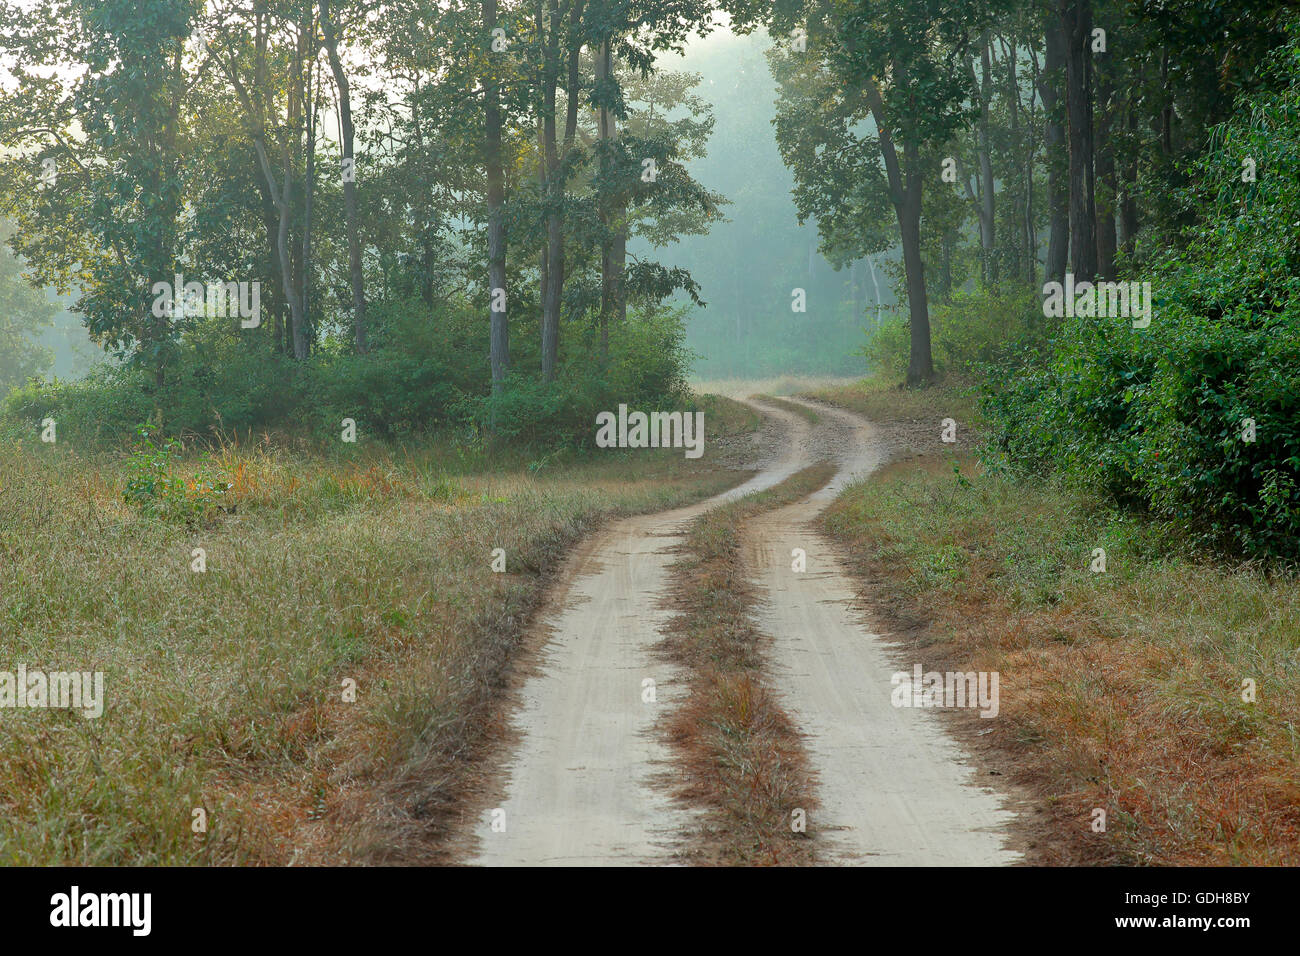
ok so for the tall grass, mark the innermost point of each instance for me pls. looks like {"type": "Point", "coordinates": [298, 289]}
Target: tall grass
{"type": "Point", "coordinates": [225, 689]}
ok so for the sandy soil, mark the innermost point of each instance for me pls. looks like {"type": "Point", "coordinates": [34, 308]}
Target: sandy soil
{"type": "Point", "coordinates": [580, 788]}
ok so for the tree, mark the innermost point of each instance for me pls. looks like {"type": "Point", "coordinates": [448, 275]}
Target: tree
{"type": "Point", "coordinates": [115, 141]}
{"type": "Point", "coordinates": [903, 66]}
{"type": "Point", "coordinates": [348, 174]}
{"type": "Point", "coordinates": [1076, 24]}
{"type": "Point", "coordinates": [24, 311]}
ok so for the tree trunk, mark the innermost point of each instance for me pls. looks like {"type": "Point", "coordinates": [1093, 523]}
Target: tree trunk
{"type": "Point", "coordinates": [348, 134]}
{"type": "Point", "coordinates": [309, 190]}
{"type": "Point", "coordinates": [906, 197]}
{"type": "Point", "coordinates": [1106, 199]}
{"type": "Point", "coordinates": [1128, 211]}
{"type": "Point", "coordinates": [609, 277]}
{"type": "Point", "coordinates": [554, 195]}
{"type": "Point", "coordinates": [1058, 195]}
{"type": "Point", "coordinates": [499, 337]}
{"type": "Point", "coordinates": [1076, 18]}
{"type": "Point", "coordinates": [988, 222]}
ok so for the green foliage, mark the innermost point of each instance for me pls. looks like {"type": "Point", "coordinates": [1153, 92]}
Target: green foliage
{"type": "Point", "coordinates": [972, 329]}
{"type": "Point", "coordinates": [23, 311]}
{"type": "Point", "coordinates": [425, 374]}
{"type": "Point", "coordinates": [1156, 417]}
{"type": "Point", "coordinates": [645, 370]}
{"type": "Point", "coordinates": [423, 369]}
{"type": "Point", "coordinates": [101, 408]}
{"type": "Point", "coordinates": [155, 486]}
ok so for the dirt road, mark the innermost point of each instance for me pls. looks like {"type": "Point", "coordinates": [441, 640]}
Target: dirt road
{"type": "Point", "coordinates": [581, 788]}
{"type": "Point", "coordinates": [893, 786]}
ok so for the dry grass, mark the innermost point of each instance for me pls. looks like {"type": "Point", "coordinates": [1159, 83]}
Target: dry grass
{"type": "Point", "coordinates": [224, 689]}
{"type": "Point", "coordinates": [1120, 690]}
{"type": "Point", "coordinates": [740, 755]}
{"type": "Point", "coordinates": [777, 385]}
{"type": "Point", "coordinates": [803, 411]}
{"type": "Point", "coordinates": [882, 401]}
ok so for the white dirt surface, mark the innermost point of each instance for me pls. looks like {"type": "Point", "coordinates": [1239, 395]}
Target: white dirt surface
{"type": "Point", "coordinates": [581, 788]}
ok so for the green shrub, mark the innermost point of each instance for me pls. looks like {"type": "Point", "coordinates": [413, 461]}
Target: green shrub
{"type": "Point", "coordinates": [645, 370]}
{"type": "Point", "coordinates": [1156, 417]}
{"type": "Point", "coordinates": [427, 371]}
{"type": "Point", "coordinates": [156, 487]}
{"type": "Point", "coordinates": [973, 328]}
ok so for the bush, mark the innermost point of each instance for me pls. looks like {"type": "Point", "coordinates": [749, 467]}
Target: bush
{"type": "Point", "coordinates": [972, 329]}
{"type": "Point", "coordinates": [645, 369]}
{"type": "Point", "coordinates": [426, 372]}
{"type": "Point", "coordinates": [1158, 417]}
{"type": "Point", "coordinates": [156, 487]}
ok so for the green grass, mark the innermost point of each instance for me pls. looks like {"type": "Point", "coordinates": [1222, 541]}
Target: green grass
{"type": "Point", "coordinates": [879, 398]}
{"type": "Point", "coordinates": [224, 689]}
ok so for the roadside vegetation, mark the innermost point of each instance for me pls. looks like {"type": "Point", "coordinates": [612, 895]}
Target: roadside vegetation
{"type": "Point", "coordinates": [225, 688]}
{"type": "Point", "coordinates": [1123, 690]}
{"type": "Point", "coordinates": [1116, 529]}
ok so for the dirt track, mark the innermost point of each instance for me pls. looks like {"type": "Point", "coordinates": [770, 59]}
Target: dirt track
{"type": "Point", "coordinates": [893, 786]}
{"type": "Point", "coordinates": [581, 787]}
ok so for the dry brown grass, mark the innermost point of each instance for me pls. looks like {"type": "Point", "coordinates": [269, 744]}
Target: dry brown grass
{"type": "Point", "coordinates": [739, 753]}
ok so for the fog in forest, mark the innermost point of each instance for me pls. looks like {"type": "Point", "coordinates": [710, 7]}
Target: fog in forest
{"type": "Point", "coordinates": [750, 265]}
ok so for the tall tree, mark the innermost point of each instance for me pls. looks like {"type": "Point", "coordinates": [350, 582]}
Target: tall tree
{"type": "Point", "coordinates": [905, 63]}
{"type": "Point", "coordinates": [499, 327]}
{"type": "Point", "coordinates": [115, 132]}
{"type": "Point", "coordinates": [1076, 23]}
{"type": "Point", "coordinates": [348, 171]}
{"type": "Point", "coordinates": [1051, 89]}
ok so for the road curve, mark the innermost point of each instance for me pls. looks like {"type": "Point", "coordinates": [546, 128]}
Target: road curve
{"type": "Point", "coordinates": [580, 787]}
{"type": "Point", "coordinates": [893, 786]}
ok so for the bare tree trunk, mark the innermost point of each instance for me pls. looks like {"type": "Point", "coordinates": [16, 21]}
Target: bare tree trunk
{"type": "Point", "coordinates": [906, 197]}
{"type": "Point", "coordinates": [1128, 211]}
{"type": "Point", "coordinates": [554, 195]}
{"type": "Point", "coordinates": [304, 270]}
{"type": "Point", "coordinates": [613, 253]}
{"type": "Point", "coordinates": [543, 260]}
{"type": "Point", "coordinates": [1106, 199]}
{"type": "Point", "coordinates": [281, 195]}
{"type": "Point", "coordinates": [1058, 195]}
{"type": "Point", "coordinates": [988, 222]}
{"type": "Point", "coordinates": [272, 304]}
{"type": "Point", "coordinates": [1021, 245]}
{"type": "Point", "coordinates": [1076, 18]}
{"type": "Point", "coordinates": [349, 180]}
{"type": "Point", "coordinates": [499, 341]}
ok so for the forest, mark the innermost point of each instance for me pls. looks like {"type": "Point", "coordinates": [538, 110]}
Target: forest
{"type": "Point", "coordinates": [375, 277]}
